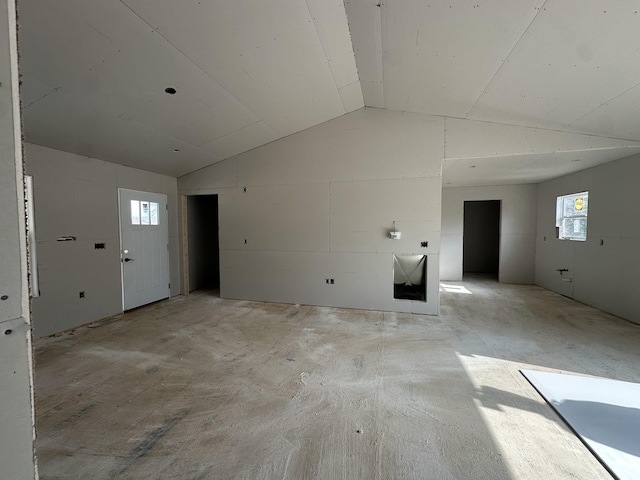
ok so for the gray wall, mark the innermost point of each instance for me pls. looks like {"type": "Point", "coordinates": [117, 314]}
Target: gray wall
{"type": "Point", "coordinates": [204, 261]}
{"type": "Point", "coordinates": [319, 204]}
{"type": "Point", "coordinates": [17, 460]}
{"type": "Point", "coordinates": [517, 230]}
{"type": "Point", "coordinates": [605, 276]}
{"type": "Point", "coordinates": [78, 196]}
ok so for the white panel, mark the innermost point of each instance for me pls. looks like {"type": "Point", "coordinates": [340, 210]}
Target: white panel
{"type": "Point", "coordinates": [451, 257]}
{"type": "Point", "coordinates": [362, 214]}
{"type": "Point", "coordinates": [439, 56]}
{"type": "Point", "coordinates": [267, 54]}
{"type": "Point", "coordinates": [351, 96]}
{"type": "Point", "coordinates": [365, 25]}
{"type": "Point", "coordinates": [576, 56]}
{"type": "Point", "coordinates": [471, 139]}
{"type": "Point", "coordinates": [618, 117]}
{"type": "Point", "coordinates": [282, 218]}
{"type": "Point", "coordinates": [373, 93]}
{"type": "Point", "coordinates": [112, 55]}
{"type": "Point", "coordinates": [330, 20]}
{"type": "Point", "coordinates": [240, 141]}
{"type": "Point", "coordinates": [207, 180]}
{"type": "Point", "coordinates": [366, 144]}
{"type": "Point", "coordinates": [517, 257]}
{"type": "Point", "coordinates": [100, 135]}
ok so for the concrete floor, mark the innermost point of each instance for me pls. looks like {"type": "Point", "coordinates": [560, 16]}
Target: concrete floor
{"type": "Point", "coordinates": [198, 387]}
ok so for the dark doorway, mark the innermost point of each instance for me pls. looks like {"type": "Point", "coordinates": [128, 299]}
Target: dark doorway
{"type": "Point", "coordinates": [204, 248]}
{"type": "Point", "coordinates": [481, 240]}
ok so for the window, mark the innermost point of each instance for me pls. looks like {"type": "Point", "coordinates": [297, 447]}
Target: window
{"type": "Point", "coordinates": [144, 213]}
{"type": "Point", "coordinates": [571, 216]}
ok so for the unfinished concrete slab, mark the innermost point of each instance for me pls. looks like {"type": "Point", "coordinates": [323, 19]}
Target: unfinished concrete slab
{"type": "Point", "coordinates": [198, 387]}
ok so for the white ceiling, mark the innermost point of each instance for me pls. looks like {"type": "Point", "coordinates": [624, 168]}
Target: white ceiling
{"type": "Point", "coordinates": [249, 72]}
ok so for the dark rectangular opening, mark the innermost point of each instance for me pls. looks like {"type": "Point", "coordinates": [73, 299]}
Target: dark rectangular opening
{"type": "Point", "coordinates": [481, 238]}
{"type": "Point", "coordinates": [203, 243]}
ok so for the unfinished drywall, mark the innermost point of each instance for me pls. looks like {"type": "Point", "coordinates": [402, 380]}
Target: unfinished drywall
{"type": "Point", "coordinates": [17, 459]}
{"type": "Point", "coordinates": [318, 205]}
{"type": "Point", "coordinates": [605, 267]}
{"type": "Point", "coordinates": [78, 196]}
{"type": "Point", "coordinates": [517, 230]}
{"type": "Point", "coordinates": [204, 261]}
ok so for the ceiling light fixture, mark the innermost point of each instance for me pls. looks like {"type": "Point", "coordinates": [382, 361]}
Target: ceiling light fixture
{"type": "Point", "coordinates": [176, 150]}
{"type": "Point", "coordinates": [170, 90]}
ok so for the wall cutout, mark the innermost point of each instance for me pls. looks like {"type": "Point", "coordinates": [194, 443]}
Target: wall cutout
{"type": "Point", "coordinates": [409, 279]}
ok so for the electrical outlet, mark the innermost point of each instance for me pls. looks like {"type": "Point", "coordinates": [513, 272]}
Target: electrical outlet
{"type": "Point", "coordinates": [81, 294]}
{"type": "Point", "coordinates": [326, 280]}
{"type": "Point", "coordinates": [331, 281]}
{"type": "Point", "coordinates": [99, 246]}
{"type": "Point", "coordinates": [424, 244]}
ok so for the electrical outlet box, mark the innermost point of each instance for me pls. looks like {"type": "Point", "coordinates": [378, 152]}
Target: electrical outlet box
{"type": "Point", "coordinates": [99, 246]}
{"type": "Point", "coordinates": [81, 294]}
{"type": "Point", "coordinates": [424, 244]}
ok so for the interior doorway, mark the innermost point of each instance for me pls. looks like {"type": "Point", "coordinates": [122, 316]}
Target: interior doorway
{"type": "Point", "coordinates": [481, 238]}
{"type": "Point", "coordinates": [203, 242]}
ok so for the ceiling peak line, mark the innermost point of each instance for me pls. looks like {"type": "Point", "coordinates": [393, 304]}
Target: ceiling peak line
{"type": "Point", "coordinates": [188, 58]}
{"type": "Point", "coordinates": [506, 58]}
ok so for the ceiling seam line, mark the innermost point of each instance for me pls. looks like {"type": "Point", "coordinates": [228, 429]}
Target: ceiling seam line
{"type": "Point", "coordinates": [545, 129]}
{"type": "Point", "coordinates": [189, 59]}
{"type": "Point", "coordinates": [324, 51]}
{"type": "Point", "coordinates": [605, 103]}
{"type": "Point", "coordinates": [506, 59]}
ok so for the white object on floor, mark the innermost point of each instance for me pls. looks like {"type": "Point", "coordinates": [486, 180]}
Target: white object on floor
{"type": "Point", "coordinates": [604, 413]}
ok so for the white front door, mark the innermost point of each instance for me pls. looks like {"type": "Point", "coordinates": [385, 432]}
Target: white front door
{"type": "Point", "coordinates": [144, 247]}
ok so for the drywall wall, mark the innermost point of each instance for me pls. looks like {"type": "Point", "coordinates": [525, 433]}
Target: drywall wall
{"type": "Point", "coordinates": [605, 267]}
{"type": "Point", "coordinates": [78, 196]}
{"type": "Point", "coordinates": [17, 460]}
{"type": "Point", "coordinates": [517, 230]}
{"type": "Point", "coordinates": [319, 204]}
{"type": "Point", "coordinates": [204, 261]}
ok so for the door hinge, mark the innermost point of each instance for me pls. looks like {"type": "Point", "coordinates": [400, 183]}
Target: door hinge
{"type": "Point", "coordinates": [166, 206]}
{"type": "Point", "coordinates": [169, 285]}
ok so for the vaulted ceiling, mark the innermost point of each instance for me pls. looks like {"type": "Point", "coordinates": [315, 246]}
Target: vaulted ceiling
{"type": "Point", "coordinates": [248, 72]}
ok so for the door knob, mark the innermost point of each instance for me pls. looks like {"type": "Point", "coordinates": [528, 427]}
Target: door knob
{"type": "Point", "coordinates": [127, 259]}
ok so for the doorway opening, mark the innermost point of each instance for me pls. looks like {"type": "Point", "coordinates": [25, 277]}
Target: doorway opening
{"type": "Point", "coordinates": [203, 242]}
{"type": "Point", "coordinates": [481, 238]}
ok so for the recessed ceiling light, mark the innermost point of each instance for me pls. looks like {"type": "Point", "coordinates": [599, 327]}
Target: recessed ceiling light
{"type": "Point", "coordinates": [176, 150]}
{"type": "Point", "coordinates": [170, 90]}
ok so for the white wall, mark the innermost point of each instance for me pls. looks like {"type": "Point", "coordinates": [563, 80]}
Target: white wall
{"type": "Point", "coordinates": [78, 196]}
{"type": "Point", "coordinates": [319, 203]}
{"type": "Point", "coordinates": [17, 459]}
{"type": "Point", "coordinates": [517, 230]}
{"type": "Point", "coordinates": [604, 276]}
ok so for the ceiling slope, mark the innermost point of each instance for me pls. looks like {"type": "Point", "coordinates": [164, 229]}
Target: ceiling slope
{"type": "Point", "coordinates": [246, 73]}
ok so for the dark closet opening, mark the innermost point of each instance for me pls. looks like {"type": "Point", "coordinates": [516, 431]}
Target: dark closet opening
{"type": "Point", "coordinates": [203, 244]}
{"type": "Point", "coordinates": [481, 238]}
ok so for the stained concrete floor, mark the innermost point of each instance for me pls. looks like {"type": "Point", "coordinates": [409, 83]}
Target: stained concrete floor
{"type": "Point", "coordinates": [198, 387]}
